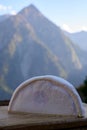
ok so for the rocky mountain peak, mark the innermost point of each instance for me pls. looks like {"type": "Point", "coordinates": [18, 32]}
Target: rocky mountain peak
{"type": "Point", "coordinates": [29, 11]}
{"type": "Point", "coordinates": [31, 45]}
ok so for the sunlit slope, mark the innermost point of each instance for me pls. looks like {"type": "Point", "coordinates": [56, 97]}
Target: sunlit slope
{"type": "Point", "coordinates": [31, 45]}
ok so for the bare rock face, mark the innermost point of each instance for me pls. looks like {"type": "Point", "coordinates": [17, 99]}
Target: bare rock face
{"type": "Point", "coordinates": [46, 95]}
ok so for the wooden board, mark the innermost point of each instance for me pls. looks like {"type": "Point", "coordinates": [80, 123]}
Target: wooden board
{"type": "Point", "coordinates": [37, 121]}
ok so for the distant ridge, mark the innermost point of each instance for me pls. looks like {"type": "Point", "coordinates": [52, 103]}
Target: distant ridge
{"type": "Point", "coordinates": [4, 17]}
{"type": "Point", "coordinates": [80, 38]}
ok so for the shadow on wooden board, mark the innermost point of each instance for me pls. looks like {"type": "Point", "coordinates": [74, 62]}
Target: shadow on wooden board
{"type": "Point", "coordinates": [38, 121]}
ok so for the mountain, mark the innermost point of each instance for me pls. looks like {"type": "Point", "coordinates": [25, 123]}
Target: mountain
{"type": "Point", "coordinates": [31, 45]}
{"type": "Point", "coordinates": [52, 36]}
{"type": "Point", "coordinates": [4, 17]}
{"type": "Point", "coordinates": [80, 38]}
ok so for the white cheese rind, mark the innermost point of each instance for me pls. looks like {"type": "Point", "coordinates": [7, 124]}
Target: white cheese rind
{"type": "Point", "coordinates": [46, 95]}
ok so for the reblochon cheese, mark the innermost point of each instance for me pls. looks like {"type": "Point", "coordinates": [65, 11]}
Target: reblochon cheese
{"type": "Point", "coordinates": [46, 95]}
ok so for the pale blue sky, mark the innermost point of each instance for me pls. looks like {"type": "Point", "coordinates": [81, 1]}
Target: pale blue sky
{"type": "Point", "coordinates": [68, 14]}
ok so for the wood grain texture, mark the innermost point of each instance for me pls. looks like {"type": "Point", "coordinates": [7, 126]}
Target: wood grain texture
{"type": "Point", "coordinates": [38, 121]}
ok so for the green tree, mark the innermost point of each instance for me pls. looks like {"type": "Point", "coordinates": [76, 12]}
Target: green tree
{"type": "Point", "coordinates": [85, 81]}
{"type": "Point", "coordinates": [82, 90]}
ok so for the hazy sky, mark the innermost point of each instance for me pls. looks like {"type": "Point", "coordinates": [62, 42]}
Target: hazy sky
{"type": "Point", "coordinates": [70, 15]}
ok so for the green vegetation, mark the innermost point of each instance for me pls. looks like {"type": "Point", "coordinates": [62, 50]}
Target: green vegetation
{"type": "Point", "coordinates": [83, 90]}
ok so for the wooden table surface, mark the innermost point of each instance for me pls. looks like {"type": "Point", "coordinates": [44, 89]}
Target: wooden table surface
{"type": "Point", "coordinates": [40, 122]}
